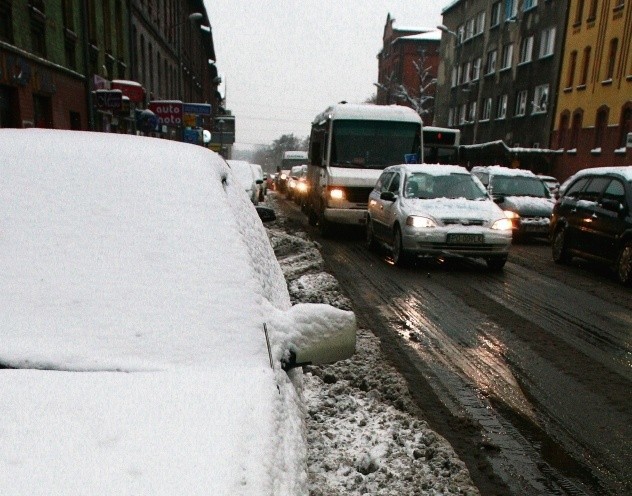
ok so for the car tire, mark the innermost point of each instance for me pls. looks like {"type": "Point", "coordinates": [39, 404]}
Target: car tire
{"type": "Point", "coordinates": [312, 218]}
{"type": "Point", "coordinates": [624, 264]}
{"type": "Point", "coordinates": [559, 247]}
{"type": "Point", "coordinates": [371, 242]}
{"type": "Point", "coordinates": [496, 263]}
{"type": "Point", "coordinates": [400, 256]}
{"type": "Point", "coordinates": [324, 226]}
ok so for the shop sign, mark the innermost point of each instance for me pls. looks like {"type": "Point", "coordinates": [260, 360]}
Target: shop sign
{"type": "Point", "coordinates": [108, 99]}
{"type": "Point", "coordinates": [131, 89]}
{"type": "Point", "coordinates": [196, 108]}
{"type": "Point", "coordinates": [169, 112]}
{"type": "Point", "coordinates": [193, 136]}
{"type": "Point", "coordinates": [190, 120]}
{"type": "Point", "coordinates": [100, 83]}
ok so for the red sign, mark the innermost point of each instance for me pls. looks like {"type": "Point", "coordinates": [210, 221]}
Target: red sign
{"type": "Point", "coordinates": [169, 112]}
{"type": "Point", "coordinates": [132, 90]}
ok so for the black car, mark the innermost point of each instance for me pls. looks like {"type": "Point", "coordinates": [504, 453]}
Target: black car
{"type": "Point", "coordinates": [593, 219]}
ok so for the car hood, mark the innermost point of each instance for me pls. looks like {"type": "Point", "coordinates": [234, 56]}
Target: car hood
{"type": "Point", "coordinates": [342, 176]}
{"type": "Point", "coordinates": [459, 208]}
{"type": "Point", "coordinates": [194, 432]}
{"type": "Point", "coordinates": [529, 205]}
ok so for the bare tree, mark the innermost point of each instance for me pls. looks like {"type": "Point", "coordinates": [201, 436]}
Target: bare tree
{"type": "Point", "coordinates": [420, 99]}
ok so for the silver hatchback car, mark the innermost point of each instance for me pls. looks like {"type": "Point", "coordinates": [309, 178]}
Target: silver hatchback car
{"type": "Point", "coordinates": [438, 211]}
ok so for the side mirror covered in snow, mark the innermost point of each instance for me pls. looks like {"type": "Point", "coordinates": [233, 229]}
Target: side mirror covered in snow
{"type": "Point", "coordinates": [314, 334]}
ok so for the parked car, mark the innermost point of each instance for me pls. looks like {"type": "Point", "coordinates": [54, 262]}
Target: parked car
{"type": "Point", "coordinates": [593, 219]}
{"type": "Point", "coordinates": [552, 183]}
{"type": "Point", "coordinates": [436, 210]}
{"type": "Point", "coordinates": [523, 196]}
{"type": "Point", "coordinates": [246, 176]}
{"type": "Point", "coordinates": [149, 345]}
{"type": "Point", "coordinates": [260, 181]}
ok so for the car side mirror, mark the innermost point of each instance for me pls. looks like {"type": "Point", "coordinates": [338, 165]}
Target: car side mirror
{"type": "Point", "coordinates": [387, 196]}
{"type": "Point", "coordinates": [313, 334]}
{"type": "Point", "coordinates": [266, 214]}
{"type": "Point", "coordinates": [611, 205]}
{"type": "Point", "coordinates": [259, 181]}
{"type": "Point", "coordinates": [498, 199]}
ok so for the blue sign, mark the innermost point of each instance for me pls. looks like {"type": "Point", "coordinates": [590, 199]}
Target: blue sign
{"type": "Point", "coordinates": [411, 158]}
{"type": "Point", "coordinates": [191, 136]}
{"type": "Point", "coordinates": [196, 108]}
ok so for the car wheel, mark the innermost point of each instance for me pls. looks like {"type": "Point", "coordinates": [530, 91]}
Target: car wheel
{"type": "Point", "coordinates": [624, 265]}
{"type": "Point", "coordinates": [496, 263]}
{"type": "Point", "coordinates": [371, 243]}
{"type": "Point", "coordinates": [324, 226]}
{"type": "Point", "coordinates": [400, 256]}
{"type": "Point", "coordinates": [559, 247]}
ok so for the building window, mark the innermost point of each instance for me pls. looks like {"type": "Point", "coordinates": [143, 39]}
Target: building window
{"type": "Point", "coordinates": [526, 49]}
{"type": "Point", "coordinates": [572, 63]}
{"type": "Point", "coordinates": [38, 27]}
{"type": "Point", "coordinates": [476, 69]}
{"type": "Point", "coordinates": [75, 121]}
{"type": "Point", "coordinates": [42, 111]}
{"type": "Point", "coordinates": [579, 12]}
{"type": "Point", "coordinates": [495, 17]}
{"type": "Point", "coordinates": [625, 127]}
{"type": "Point", "coordinates": [521, 103]}
{"type": "Point", "coordinates": [487, 110]}
{"type": "Point", "coordinates": [107, 25]}
{"type": "Point", "coordinates": [561, 135]}
{"type": "Point", "coordinates": [490, 67]}
{"type": "Point", "coordinates": [507, 57]}
{"type": "Point", "coordinates": [511, 9]}
{"type": "Point", "coordinates": [601, 124]}
{"type": "Point", "coordinates": [612, 57]}
{"type": "Point", "coordinates": [463, 114]}
{"type": "Point", "coordinates": [592, 13]}
{"type": "Point", "coordinates": [460, 34]}
{"type": "Point", "coordinates": [6, 21]}
{"type": "Point", "coordinates": [472, 116]}
{"type": "Point", "coordinates": [70, 49]}
{"type": "Point", "coordinates": [529, 4]}
{"type": "Point", "coordinates": [118, 14]}
{"type": "Point", "coordinates": [469, 28]}
{"type": "Point", "coordinates": [585, 65]}
{"type": "Point", "coordinates": [547, 42]}
{"type": "Point", "coordinates": [454, 78]}
{"type": "Point", "coordinates": [480, 23]}
{"type": "Point", "coordinates": [450, 117]}
{"type": "Point", "coordinates": [501, 107]}
{"type": "Point", "coordinates": [541, 99]}
{"type": "Point", "coordinates": [575, 129]}
{"type": "Point", "coordinates": [467, 72]}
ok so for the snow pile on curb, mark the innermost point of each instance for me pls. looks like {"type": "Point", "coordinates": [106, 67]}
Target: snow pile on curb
{"type": "Point", "coordinates": [365, 434]}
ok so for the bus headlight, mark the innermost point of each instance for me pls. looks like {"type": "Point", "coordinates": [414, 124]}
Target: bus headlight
{"type": "Point", "coordinates": [337, 194]}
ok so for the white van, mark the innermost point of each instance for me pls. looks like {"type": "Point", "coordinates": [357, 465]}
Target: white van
{"type": "Point", "coordinates": [350, 145]}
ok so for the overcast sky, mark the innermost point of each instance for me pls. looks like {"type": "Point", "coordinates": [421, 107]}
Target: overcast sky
{"type": "Point", "coordinates": [284, 61]}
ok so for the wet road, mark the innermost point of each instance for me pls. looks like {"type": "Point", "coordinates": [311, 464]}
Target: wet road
{"type": "Point", "coordinates": [526, 372]}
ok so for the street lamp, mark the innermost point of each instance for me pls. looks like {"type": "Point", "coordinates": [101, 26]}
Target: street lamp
{"type": "Point", "coordinates": [447, 30]}
{"type": "Point", "coordinates": [220, 124]}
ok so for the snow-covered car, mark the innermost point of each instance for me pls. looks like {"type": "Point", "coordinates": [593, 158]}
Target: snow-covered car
{"type": "Point", "coordinates": [552, 183]}
{"type": "Point", "coordinates": [259, 180]}
{"type": "Point", "coordinates": [149, 345]}
{"type": "Point", "coordinates": [438, 211]}
{"type": "Point", "coordinates": [246, 176]}
{"type": "Point", "coordinates": [523, 196]}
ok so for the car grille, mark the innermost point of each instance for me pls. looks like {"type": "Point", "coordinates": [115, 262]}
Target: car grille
{"type": "Point", "coordinates": [462, 222]}
{"type": "Point", "coordinates": [357, 195]}
{"type": "Point", "coordinates": [452, 247]}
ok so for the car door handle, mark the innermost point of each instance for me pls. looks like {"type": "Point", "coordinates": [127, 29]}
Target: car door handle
{"type": "Point", "coordinates": [573, 210]}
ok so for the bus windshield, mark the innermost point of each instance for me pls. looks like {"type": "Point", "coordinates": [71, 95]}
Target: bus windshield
{"type": "Point", "coordinates": [440, 155]}
{"type": "Point", "coordinates": [288, 163]}
{"type": "Point", "coordinates": [373, 144]}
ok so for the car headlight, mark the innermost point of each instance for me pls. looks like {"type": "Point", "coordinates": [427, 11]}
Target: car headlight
{"type": "Point", "coordinates": [511, 215]}
{"type": "Point", "coordinates": [417, 221]}
{"type": "Point", "coordinates": [336, 194]}
{"type": "Point", "coordinates": [292, 183]}
{"type": "Point", "coordinates": [302, 187]}
{"type": "Point", "coordinates": [503, 225]}
{"type": "Point", "coordinates": [283, 177]}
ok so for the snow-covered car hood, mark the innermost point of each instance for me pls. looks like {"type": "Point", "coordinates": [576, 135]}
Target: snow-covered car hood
{"type": "Point", "coordinates": [159, 433]}
{"type": "Point", "coordinates": [529, 205]}
{"type": "Point", "coordinates": [453, 208]}
{"type": "Point", "coordinates": [342, 176]}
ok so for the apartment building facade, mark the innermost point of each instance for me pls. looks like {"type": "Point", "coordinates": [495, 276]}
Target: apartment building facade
{"type": "Point", "coordinates": [593, 124]}
{"type": "Point", "coordinates": [498, 74]}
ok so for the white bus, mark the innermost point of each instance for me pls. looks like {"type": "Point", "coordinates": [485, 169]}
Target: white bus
{"type": "Point", "coordinates": [350, 145]}
{"type": "Point", "coordinates": [292, 158]}
{"type": "Point", "coordinates": [441, 145]}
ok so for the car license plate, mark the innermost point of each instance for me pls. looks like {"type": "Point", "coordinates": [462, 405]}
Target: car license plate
{"type": "Point", "coordinates": [465, 239]}
{"type": "Point", "coordinates": [536, 228]}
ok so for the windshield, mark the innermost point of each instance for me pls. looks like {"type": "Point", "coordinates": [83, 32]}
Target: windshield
{"type": "Point", "coordinates": [441, 155]}
{"type": "Point", "coordinates": [519, 186]}
{"type": "Point", "coordinates": [429, 186]}
{"type": "Point", "coordinates": [288, 163]}
{"type": "Point", "coordinates": [373, 144]}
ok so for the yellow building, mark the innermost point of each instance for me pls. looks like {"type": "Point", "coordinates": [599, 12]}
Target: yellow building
{"type": "Point", "coordinates": [593, 122]}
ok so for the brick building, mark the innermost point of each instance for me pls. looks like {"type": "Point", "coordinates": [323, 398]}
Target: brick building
{"type": "Point", "coordinates": [407, 62]}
